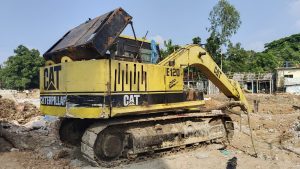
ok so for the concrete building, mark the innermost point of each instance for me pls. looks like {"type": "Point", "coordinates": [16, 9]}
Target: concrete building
{"type": "Point", "coordinates": [288, 79]}
{"type": "Point", "coordinates": [255, 82]}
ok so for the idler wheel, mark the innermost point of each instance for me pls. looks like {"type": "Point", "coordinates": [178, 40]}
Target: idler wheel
{"type": "Point", "coordinates": [109, 145]}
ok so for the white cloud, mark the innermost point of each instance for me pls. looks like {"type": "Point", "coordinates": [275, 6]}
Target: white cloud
{"type": "Point", "coordinates": [159, 39]}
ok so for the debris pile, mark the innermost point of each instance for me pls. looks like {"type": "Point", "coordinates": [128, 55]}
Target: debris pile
{"type": "Point", "coordinates": [17, 112]}
{"type": "Point", "coordinates": [292, 141]}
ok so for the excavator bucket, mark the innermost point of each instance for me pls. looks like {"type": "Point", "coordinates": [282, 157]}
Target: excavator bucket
{"type": "Point", "coordinates": [91, 39]}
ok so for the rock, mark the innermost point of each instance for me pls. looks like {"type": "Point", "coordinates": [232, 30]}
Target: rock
{"type": "Point", "coordinates": [76, 163]}
{"type": "Point", "coordinates": [14, 150]}
{"type": "Point", "coordinates": [20, 107]}
{"type": "Point", "coordinates": [49, 155]}
{"type": "Point", "coordinates": [275, 158]}
{"type": "Point", "coordinates": [15, 122]}
{"type": "Point", "coordinates": [271, 130]}
{"type": "Point", "coordinates": [61, 154]}
{"type": "Point", "coordinates": [263, 156]}
{"type": "Point", "coordinates": [50, 119]}
{"type": "Point", "coordinates": [201, 155]}
{"type": "Point", "coordinates": [36, 123]}
{"type": "Point", "coordinates": [215, 146]}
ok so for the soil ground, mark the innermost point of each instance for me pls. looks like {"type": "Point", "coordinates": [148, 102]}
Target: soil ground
{"type": "Point", "coordinates": [275, 128]}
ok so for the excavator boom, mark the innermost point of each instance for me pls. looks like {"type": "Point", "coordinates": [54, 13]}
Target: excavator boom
{"type": "Point", "coordinates": [194, 55]}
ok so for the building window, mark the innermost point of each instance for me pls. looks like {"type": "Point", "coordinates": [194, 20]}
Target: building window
{"type": "Point", "coordinates": [288, 76]}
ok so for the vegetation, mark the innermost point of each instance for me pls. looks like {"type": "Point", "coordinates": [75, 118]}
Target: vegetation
{"type": "Point", "coordinates": [224, 22]}
{"type": "Point", "coordinates": [285, 49]}
{"type": "Point", "coordinates": [169, 48]}
{"type": "Point", "coordinates": [21, 71]}
{"type": "Point", "coordinates": [276, 54]}
{"type": "Point", "coordinates": [197, 40]}
{"type": "Point", "coordinates": [238, 59]}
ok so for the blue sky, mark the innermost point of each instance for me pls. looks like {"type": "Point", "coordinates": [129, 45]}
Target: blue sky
{"type": "Point", "coordinates": [39, 24]}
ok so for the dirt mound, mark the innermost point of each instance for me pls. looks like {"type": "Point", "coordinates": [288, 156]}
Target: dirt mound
{"type": "Point", "coordinates": [212, 103]}
{"type": "Point", "coordinates": [268, 104]}
{"type": "Point", "coordinates": [21, 112]}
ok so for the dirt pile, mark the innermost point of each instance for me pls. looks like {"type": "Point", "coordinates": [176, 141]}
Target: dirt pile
{"type": "Point", "coordinates": [268, 104]}
{"type": "Point", "coordinates": [20, 112]}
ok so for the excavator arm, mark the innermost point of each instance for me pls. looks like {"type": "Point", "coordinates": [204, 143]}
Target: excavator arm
{"type": "Point", "coordinates": [194, 55]}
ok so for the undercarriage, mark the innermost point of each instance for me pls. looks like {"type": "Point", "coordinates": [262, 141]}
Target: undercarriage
{"type": "Point", "coordinates": [116, 141]}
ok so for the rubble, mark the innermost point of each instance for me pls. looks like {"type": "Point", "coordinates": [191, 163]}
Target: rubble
{"type": "Point", "coordinates": [20, 112]}
{"type": "Point", "coordinates": [36, 123]}
{"type": "Point", "coordinates": [25, 132]}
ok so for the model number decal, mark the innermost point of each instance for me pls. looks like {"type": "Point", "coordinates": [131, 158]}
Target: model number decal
{"type": "Point", "coordinates": [131, 100]}
{"type": "Point", "coordinates": [172, 72]}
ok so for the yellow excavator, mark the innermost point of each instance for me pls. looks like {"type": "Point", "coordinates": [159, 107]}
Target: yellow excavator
{"type": "Point", "coordinates": [119, 100]}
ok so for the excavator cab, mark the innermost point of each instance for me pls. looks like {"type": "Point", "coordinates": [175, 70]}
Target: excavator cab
{"type": "Point", "coordinates": [133, 49]}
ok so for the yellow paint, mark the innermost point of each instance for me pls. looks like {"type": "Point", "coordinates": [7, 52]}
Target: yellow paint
{"type": "Point", "coordinates": [155, 108]}
{"type": "Point", "coordinates": [93, 77]}
{"type": "Point", "coordinates": [75, 112]}
{"type": "Point", "coordinates": [53, 110]}
{"type": "Point", "coordinates": [194, 55]}
{"type": "Point", "coordinates": [65, 59]}
{"type": "Point", "coordinates": [49, 62]}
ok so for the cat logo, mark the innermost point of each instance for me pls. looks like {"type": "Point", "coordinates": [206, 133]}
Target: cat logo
{"type": "Point", "coordinates": [131, 100]}
{"type": "Point", "coordinates": [172, 83]}
{"type": "Point", "coordinates": [51, 78]}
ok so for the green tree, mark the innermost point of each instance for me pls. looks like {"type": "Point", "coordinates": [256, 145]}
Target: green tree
{"type": "Point", "coordinates": [213, 47]}
{"type": "Point", "coordinates": [285, 49]}
{"type": "Point", "coordinates": [224, 22]}
{"type": "Point", "coordinates": [169, 48]}
{"type": "Point", "coordinates": [237, 59]}
{"type": "Point", "coordinates": [21, 71]}
{"type": "Point", "coordinates": [197, 40]}
{"type": "Point", "coordinates": [264, 62]}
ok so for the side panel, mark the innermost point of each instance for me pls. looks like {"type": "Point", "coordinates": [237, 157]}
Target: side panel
{"type": "Point", "coordinates": [81, 89]}
{"type": "Point", "coordinates": [138, 77]}
{"type": "Point", "coordinates": [72, 77]}
{"type": "Point", "coordinates": [75, 89]}
{"type": "Point", "coordinates": [146, 88]}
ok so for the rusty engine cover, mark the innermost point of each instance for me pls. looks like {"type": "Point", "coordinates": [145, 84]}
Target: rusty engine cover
{"type": "Point", "coordinates": [91, 39]}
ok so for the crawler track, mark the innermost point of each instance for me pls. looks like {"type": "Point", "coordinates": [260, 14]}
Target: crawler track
{"type": "Point", "coordinates": [125, 141]}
